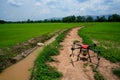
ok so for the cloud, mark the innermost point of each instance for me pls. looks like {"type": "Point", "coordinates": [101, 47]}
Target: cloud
{"type": "Point", "coordinates": [14, 3]}
{"type": "Point", "coordinates": [80, 1]}
{"type": "Point", "coordinates": [78, 7]}
{"type": "Point", "coordinates": [41, 9]}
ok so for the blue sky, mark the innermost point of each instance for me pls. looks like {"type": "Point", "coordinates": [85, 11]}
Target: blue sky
{"type": "Point", "coordinates": [15, 10]}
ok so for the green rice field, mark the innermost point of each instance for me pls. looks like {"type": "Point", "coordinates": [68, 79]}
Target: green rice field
{"type": "Point", "coordinates": [10, 34]}
{"type": "Point", "coordinates": [107, 35]}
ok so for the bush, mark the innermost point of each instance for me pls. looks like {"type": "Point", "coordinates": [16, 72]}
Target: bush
{"type": "Point", "coordinates": [97, 74]}
{"type": "Point", "coordinates": [116, 72]}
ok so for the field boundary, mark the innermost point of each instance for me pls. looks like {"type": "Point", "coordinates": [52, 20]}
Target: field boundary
{"type": "Point", "coordinates": [44, 57]}
{"type": "Point", "coordinates": [22, 53]}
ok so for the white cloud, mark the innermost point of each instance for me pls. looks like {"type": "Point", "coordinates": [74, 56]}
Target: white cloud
{"type": "Point", "coordinates": [14, 3]}
{"type": "Point", "coordinates": [42, 9]}
{"type": "Point", "coordinates": [77, 7]}
{"type": "Point", "coordinates": [38, 4]}
{"type": "Point", "coordinates": [72, 6]}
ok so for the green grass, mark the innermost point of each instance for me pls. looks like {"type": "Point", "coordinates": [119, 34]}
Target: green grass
{"type": "Point", "coordinates": [97, 74]}
{"type": "Point", "coordinates": [108, 36]}
{"type": "Point", "coordinates": [43, 71]}
{"type": "Point", "coordinates": [10, 34]}
{"type": "Point", "coordinates": [116, 72]}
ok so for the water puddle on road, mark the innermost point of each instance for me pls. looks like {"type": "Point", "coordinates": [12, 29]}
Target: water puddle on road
{"type": "Point", "coordinates": [22, 69]}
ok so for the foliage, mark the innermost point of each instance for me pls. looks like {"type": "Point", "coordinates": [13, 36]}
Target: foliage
{"type": "Point", "coordinates": [5, 55]}
{"type": "Point", "coordinates": [116, 72]}
{"type": "Point", "coordinates": [42, 70]}
{"type": "Point", "coordinates": [107, 36]}
{"type": "Point", "coordinates": [69, 19]}
{"type": "Point", "coordinates": [89, 19]}
{"type": "Point", "coordinates": [2, 21]}
{"type": "Point", "coordinates": [101, 19]}
{"type": "Point", "coordinates": [97, 74]}
{"type": "Point", "coordinates": [73, 18]}
{"type": "Point", "coordinates": [114, 18]}
{"type": "Point", "coordinates": [80, 19]}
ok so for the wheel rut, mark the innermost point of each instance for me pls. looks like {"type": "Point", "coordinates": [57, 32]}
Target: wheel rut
{"type": "Point", "coordinates": [80, 70]}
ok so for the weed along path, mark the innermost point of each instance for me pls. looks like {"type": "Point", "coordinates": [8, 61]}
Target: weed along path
{"type": "Point", "coordinates": [22, 69]}
{"type": "Point", "coordinates": [69, 71]}
{"type": "Point", "coordinates": [82, 69]}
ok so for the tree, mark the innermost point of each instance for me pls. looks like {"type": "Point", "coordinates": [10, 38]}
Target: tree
{"type": "Point", "coordinates": [100, 19]}
{"type": "Point", "coordinates": [114, 18]}
{"type": "Point", "coordinates": [83, 19]}
{"type": "Point", "coordinates": [79, 19]}
{"type": "Point", "coordinates": [89, 19]}
{"type": "Point", "coordinates": [103, 19]}
{"type": "Point", "coordinates": [69, 19]}
{"type": "Point", "coordinates": [2, 21]}
{"type": "Point", "coordinates": [73, 18]}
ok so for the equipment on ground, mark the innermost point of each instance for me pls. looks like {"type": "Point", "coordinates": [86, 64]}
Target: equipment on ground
{"type": "Point", "coordinates": [84, 51]}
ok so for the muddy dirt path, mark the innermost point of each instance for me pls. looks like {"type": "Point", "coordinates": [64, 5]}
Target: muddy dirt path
{"type": "Point", "coordinates": [79, 70]}
{"type": "Point", "coordinates": [22, 69]}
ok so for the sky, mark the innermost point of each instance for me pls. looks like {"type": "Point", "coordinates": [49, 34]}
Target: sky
{"type": "Point", "coordinates": [17, 10]}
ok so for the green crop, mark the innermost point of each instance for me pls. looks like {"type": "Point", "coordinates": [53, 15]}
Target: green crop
{"type": "Point", "coordinates": [11, 34]}
{"type": "Point", "coordinates": [107, 36]}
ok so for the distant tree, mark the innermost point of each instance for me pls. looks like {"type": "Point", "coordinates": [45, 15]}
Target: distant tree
{"type": "Point", "coordinates": [65, 19]}
{"type": "Point", "coordinates": [73, 18]}
{"type": "Point", "coordinates": [100, 19]}
{"type": "Point", "coordinates": [110, 18]}
{"type": "Point", "coordinates": [69, 19]}
{"type": "Point", "coordinates": [97, 19]}
{"type": "Point", "coordinates": [79, 19]}
{"type": "Point", "coordinates": [83, 19]}
{"type": "Point", "coordinates": [114, 18]}
{"type": "Point", "coordinates": [89, 19]}
{"type": "Point", "coordinates": [28, 21]}
{"type": "Point", "coordinates": [2, 21]}
{"type": "Point", "coordinates": [103, 19]}
{"type": "Point", "coordinates": [46, 20]}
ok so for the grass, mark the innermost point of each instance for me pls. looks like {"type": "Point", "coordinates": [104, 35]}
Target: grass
{"type": "Point", "coordinates": [97, 74]}
{"type": "Point", "coordinates": [116, 72]}
{"type": "Point", "coordinates": [107, 35]}
{"type": "Point", "coordinates": [13, 38]}
{"type": "Point", "coordinates": [10, 34]}
{"type": "Point", "coordinates": [43, 71]}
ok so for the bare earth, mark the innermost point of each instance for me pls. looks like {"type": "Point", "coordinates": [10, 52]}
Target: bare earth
{"type": "Point", "coordinates": [22, 69]}
{"type": "Point", "coordinates": [80, 70]}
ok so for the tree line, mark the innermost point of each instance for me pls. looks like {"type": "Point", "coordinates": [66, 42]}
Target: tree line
{"type": "Point", "coordinates": [110, 18]}
{"type": "Point", "coordinates": [73, 18]}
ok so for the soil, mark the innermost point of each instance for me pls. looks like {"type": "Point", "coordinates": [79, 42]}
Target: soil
{"type": "Point", "coordinates": [22, 69]}
{"type": "Point", "coordinates": [80, 70]}
{"type": "Point", "coordinates": [69, 66]}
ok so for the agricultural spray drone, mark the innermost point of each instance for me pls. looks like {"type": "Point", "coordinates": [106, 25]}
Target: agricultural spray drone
{"type": "Point", "coordinates": [84, 51]}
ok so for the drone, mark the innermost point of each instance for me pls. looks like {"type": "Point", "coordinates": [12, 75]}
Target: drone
{"type": "Point", "coordinates": [84, 51]}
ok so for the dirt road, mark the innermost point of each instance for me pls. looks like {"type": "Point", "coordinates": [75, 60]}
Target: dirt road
{"type": "Point", "coordinates": [80, 70]}
{"type": "Point", "coordinates": [22, 69]}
